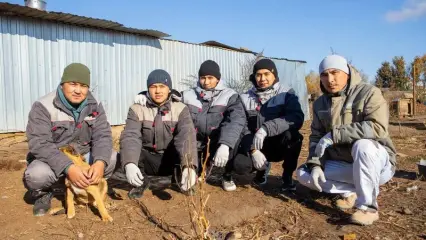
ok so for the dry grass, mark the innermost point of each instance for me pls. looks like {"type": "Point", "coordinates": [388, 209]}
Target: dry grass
{"type": "Point", "coordinates": [116, 132]}
{"type": "Point", "coordinates": [197, 203]}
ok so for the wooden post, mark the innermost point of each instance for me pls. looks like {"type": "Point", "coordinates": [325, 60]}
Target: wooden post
{"type": "Point", "coordinates": [414, 90]}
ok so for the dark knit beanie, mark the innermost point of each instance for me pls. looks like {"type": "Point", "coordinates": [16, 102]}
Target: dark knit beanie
{"type": "Point", "coordinates": [76, 72]}
{"type": "Point", "coordinates": [209, 67]}
{"type": "Point", "coordinates": [265, 63]}
{"type": "Point", "coordinates": [159, 76]}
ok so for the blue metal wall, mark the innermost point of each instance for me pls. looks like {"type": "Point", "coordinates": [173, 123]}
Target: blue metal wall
{"type": "Point", "coordinates": [33, 54]}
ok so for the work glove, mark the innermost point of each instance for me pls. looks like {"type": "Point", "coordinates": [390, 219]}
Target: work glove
{"type": "Point", "coordinates": [259, 137]}
{"type": "Point", "coordinates": [259, 160]}
{"type": "Point", "coordinates": [134, 175]}
{"type": "Point", "coordinates": [189, 178]}
{"type": "Point", "coordinates": [316, 174]}
{"type": "Point", "coordinates": [222, 156]}
{"type": "Point", "coordinates": [140, 99]}
{"type": "Point", "coordinates": [323, 144]}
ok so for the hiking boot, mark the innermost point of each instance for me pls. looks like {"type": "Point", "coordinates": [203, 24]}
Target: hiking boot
{"type": "Point", "coordinates": [137, 192]}
{"type": "Point", "coordinates": [365, 217]}
{"type": "Point", "coordinates": [228, 184]}
{"type": "Point", "coordinates": [42, 204]}
{"type": "Point", "coordinates": [346, 203]}
{"type": "Point", "coordinates": [288, 185]}
{"type": "Point", "coordinates": [261, 177]}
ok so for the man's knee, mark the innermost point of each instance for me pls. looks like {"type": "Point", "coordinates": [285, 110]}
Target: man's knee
{"type": "Point", "coordinates": [38, 176]}
{"type": "Point", "coordinates": [242, 164]}
{"type": "Point", "coordinates": [111, 166]}
{"type": "Point", "coordinates": [292, 138]}
{"type": "Point", "coordinates": [363, 148]}
{"type": "Point", "coordinates": [303, 175]}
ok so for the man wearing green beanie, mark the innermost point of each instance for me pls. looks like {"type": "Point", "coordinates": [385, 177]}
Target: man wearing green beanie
{"type": "Point", "coordinates": [70, 115]}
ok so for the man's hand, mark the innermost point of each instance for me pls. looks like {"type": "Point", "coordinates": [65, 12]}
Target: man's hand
{"type": "Point", "coordinates": [222, 155]}
{"type": "Point", "coordinates": [323, 144]}
{"type": "Point", "coordinates": [96, 172]}
{"type": "Point", "coordinates": [259, 160]}
{"type": "Point", "coordinates": [259, 137]}
{"type": "Point", "coordinates": [317, 174]}
{"type": "Point", "coordinates": [189, 179]}
{"type": "Point", "coordinates": [134, 175]}
{"type": "Point", "coordinates": [78, 176]}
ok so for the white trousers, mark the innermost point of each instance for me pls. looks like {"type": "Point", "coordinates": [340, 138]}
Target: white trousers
{"type": "Point", "coordinates": [370, 169]}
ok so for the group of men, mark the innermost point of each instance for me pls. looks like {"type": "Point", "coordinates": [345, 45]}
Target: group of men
{"type": "Point", "coordinates": [169, 133]}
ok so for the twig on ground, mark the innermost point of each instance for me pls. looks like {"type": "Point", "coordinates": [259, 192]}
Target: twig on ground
{"type": "Point", "coordinates": [285, 236]}
{"type": "Point", "coordinates": [162, 225]}
{"type": "Point", "coordinates": [418, 220]}
{"type": "Point", "coordinates": [394, 224]}
{"type": "Point", "coordinates": [53, 234]}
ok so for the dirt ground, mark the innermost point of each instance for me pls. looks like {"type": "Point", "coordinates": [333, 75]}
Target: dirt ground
{"type": "Point", "coordinates": [255, 213]}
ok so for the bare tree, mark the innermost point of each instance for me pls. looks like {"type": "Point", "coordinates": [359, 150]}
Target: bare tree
{"type": "Point", "coordinates": [240, 85]}
{"type": "Point", "coordinates": [243, 84]}
{"type": "Point", "coordinates": [190, 82]}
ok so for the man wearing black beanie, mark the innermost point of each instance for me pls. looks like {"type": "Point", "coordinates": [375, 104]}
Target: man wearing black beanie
{"type": "Point", "coordinates": [218, 115]}
{"type": "Point", "coordinates": [274, 117]}
{"type": "Point", "coordinates": [154, 141]}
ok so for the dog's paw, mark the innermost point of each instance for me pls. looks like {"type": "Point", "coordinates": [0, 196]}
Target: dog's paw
{"type": "Point", "coordinates": [107, 219]}
{"type": "Point", "coordinates": [70, 214]}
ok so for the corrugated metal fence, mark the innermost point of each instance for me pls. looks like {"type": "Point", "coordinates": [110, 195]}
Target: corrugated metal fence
{"type": "Point", "coordinates": [33, 54]}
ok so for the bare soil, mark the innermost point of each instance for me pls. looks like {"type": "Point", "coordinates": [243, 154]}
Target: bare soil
{"type": "Point", "coordinates": [255, 213]}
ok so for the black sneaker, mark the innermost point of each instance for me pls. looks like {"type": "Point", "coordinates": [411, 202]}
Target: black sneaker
{"type": "Point", "coordinates": [137, 192]}
{"type": "Point", "coordinates": [261, 177]}
{"type": "Point", "coordinates": [288, 186]}
{"type": "Point", "coordinates": [42, 204]}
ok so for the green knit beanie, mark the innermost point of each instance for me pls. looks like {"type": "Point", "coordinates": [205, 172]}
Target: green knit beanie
{"type": "Point", "coordinates": [76, 72]}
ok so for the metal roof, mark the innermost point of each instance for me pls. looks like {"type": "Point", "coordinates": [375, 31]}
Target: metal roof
{"type": "Point", "coordinates": [221, 45]}
{"type": "Point", "coordinates": [213, 43]}
{"type": "Point", "coordinates": [9, 9]}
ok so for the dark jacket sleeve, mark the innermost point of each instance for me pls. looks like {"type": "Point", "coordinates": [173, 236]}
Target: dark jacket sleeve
{"type": "Point", "coordinates": [293, 117]}
{"type": "Point", "coordinates": [101, 137]}
{"type": "Point", "coordinates": [185, 139]}
{"type": "Point", "coordinates": [40, 142]}
{"type": "Point", "coordinates": [233, 122]}
{"type": "Point", "coordinates": [317, 132]}
{"type": "Point", "coordinates": [131, 140]}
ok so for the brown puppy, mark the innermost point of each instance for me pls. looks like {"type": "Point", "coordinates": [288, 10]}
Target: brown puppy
{"type": "Point", "coordinates": [94, 194]}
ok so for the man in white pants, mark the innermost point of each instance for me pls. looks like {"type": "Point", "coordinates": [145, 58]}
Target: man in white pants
{"type": "Point", "coordinates": [350, 152]}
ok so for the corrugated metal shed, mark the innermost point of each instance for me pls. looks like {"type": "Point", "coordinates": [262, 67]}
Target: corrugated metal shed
{"type": "Point", "coordinates": [8, 9]}
{"type": "Point", "coordinates": [34, 52]}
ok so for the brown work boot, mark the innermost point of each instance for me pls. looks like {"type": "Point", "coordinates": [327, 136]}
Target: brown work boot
{"type": "Point", "coordinates": [346, 203]}
{"type": "Point", "coordinates": [365, 217]}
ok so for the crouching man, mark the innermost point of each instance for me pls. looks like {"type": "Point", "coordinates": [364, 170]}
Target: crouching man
{"type": "Point", "coordinates": [350, 152]}
{"type": "Point", "coordinates": [68, 115]}
{"type": "Point", "coordinates": [159, 138]}
{"type": "Point", "coordinates": [274, 117]}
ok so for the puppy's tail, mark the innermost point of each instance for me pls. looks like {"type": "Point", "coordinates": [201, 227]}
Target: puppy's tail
{"type": "Point", "coordinates": [57, 211]}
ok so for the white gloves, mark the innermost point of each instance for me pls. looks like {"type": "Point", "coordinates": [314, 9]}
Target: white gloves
{"type": "Point", "coordinates": [134, 175]}
{"type": "Point", "coordinates": [258, 138]}
{"type": "Point", "coordinates": [189, 178]}
{"type": "Point", "coordinates": [316, 174]}
{"type": "Point", "coordinates": [222, 156]}
{"type": "Point", "coordinates": [324, 143]}
{"type": "Point", "coordinates": [259, 160]}
{"type": "Point", "coordinates": [140, 99]}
